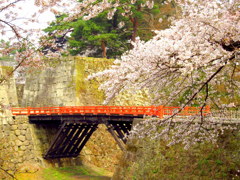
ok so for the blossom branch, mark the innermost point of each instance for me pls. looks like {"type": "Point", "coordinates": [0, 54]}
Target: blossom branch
{"type": "Point", "coordinates": [12, 27]}
{"type": "Point", "coordinates": [200, 89]}
{"type": "Point", "coordinates": [9, 5]}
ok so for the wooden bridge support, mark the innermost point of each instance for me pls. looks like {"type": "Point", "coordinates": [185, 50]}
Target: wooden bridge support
{"type": "Point", "coordinates": [119, 131]}
{"type": "Point", "coordinates": [70, 139]}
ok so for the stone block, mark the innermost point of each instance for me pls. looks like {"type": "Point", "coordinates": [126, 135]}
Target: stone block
{"type": "Point", "coordinates": [23, 132]}
{"type": "Point", "coordinates": [26, 143]}
{"type": "Point", "coordinates": [12, 143]}
{"type": "Point", "coordinates": [14, 127]}
{"type": "Point", "coordinates": [38, 143]}
{"type": "Point", "coordinates": [5, 145]}
{"type": "Point", "coordinates": [18, 143]}
{"type": "Point", "coordinates": [15, 148]}
{"type": "Point", "coordinates": [17, 132]}
{"type": "Point", "coordinates": [21, 153]}
{"type": "Point", "coordinates": [28, 136]}
{"type": "Point", "coordinates": [30, 146]}
{"type": "Point", "coordinates": [12, 137]}
{"type": "Point", "coordinates": [22, 138]}
{"type": "Point", "coordinates": [20, 160]}
{"type": "Point", "coordinates": [11, 122]}
{"type": "Point", "coordinates": [24, 126]}
{"type": "Point", "coordinates": [23, 148]}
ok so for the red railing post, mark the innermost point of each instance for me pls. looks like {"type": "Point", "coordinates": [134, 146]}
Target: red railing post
{"type": "Point", "coordinates": [207, 109]}
{"type": "Point", "coordinates": [60, 110]}
{"type": "Point", "coordinates": [186, 111]}
{"type": "Point", "coordinates": [160, 112]}
{"type": "Point", "coordinates": [152, 111]}
{"type": "Point", "coordinates": [28, 111]}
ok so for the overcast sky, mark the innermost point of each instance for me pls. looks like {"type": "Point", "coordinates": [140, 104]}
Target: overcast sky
{"type": "Point", "coordinates": [28, 9]}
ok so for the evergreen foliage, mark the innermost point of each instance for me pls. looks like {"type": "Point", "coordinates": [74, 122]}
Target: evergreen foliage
{"type": "Point", "coordinates": [106, 35]}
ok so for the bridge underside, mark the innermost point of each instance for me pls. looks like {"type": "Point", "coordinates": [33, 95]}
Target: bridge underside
{"type": "Point", "coordinates": [75, 130]}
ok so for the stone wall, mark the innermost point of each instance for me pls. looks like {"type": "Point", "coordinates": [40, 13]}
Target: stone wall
{"type": "Point", "coordinates": [64, 83]}
{"type": "Point", "coordinates": [16, 142]}
{"type": "Point", "coordinates": [51, 87]}
{"type": "Point", "coordinates": [8, 95]}
{"type": "Point", "coordinates": [22, 147]}
{"type": "Point", "coordinates": [17, 151]}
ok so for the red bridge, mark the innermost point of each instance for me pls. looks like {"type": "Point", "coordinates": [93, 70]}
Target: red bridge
{"type": "Point", "coordinates": [77, 123]}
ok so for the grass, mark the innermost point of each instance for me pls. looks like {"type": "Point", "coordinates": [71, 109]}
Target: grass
{"type": "Point", "coordinates": [67, 173]}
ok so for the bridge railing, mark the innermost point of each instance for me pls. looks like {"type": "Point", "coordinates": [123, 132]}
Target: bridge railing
{"type": "Point", "coordinates": [187, 111]}
{"type": "Point", "coordinates": [135, 110]}
{"type": "Point", "coordinates": [158, 111]}
{"type": "Point", "coordinates": [225, 114]}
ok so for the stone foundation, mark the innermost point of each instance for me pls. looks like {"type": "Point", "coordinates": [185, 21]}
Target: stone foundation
{"type": "Point", "coordinates": [17, 147]}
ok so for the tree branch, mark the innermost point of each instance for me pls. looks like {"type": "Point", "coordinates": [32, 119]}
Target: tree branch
{"type": "Point", "coordinates": [10, 4]}
{"type": "Point", "coordinates": [7, 173]}
{"type": "Point", "coordinates": [200, 89]}
{"type": "Point", "coordinates": [5, 78]}
{"type": "Point", "coordinates": [12, 27]}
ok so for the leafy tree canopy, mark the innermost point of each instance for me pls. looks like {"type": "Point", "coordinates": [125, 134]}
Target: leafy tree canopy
{"type": "Point", "coordinates": [109, 33]}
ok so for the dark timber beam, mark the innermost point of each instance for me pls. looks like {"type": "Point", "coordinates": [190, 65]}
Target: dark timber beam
{"type": "Point", "coordinates": [116, 137]}
{"type": "Point", "coordinates": [70, 139]}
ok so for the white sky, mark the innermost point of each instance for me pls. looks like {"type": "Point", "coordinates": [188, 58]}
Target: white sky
{"type": "Point", "coordinates": [28, 9]}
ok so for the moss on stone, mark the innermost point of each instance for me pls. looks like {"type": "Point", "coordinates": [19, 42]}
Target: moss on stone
{"type": "Point", "coordinates": [87, 90]}
{"type": "Point", "coordinates": [132, 98]}
{"type": "Point", "coordinates": [6, 70]}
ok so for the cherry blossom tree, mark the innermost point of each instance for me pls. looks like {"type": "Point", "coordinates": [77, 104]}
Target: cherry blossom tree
{"type": "Point", "coordinates": [186, 62]}
{"type": "Point", "coordinates": [193, 62]}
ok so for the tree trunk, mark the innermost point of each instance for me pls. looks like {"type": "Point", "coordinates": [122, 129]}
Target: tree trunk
{"type": "Point", "coordinates": [104, 49]}
{"type": "Point", "coordinates": [135, 28]}
{"type": "Point", "coordinates": [134, 21]}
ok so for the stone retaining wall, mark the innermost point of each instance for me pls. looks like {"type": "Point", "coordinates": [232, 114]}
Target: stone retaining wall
{"type": "Point", "coordinates": [17, 152]}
